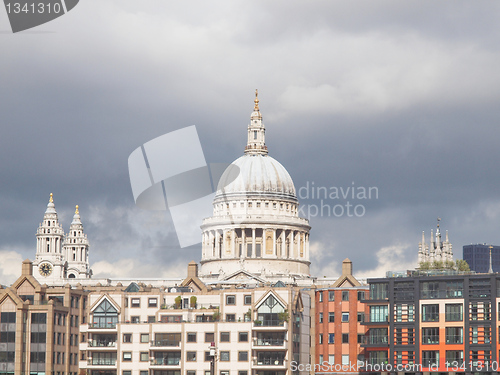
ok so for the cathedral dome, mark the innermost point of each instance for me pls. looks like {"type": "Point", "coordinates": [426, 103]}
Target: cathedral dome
{"type": "Point", "coordinates": [257, 175]}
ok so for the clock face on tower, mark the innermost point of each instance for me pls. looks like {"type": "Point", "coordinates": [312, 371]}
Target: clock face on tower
{"type": "Point", "coordinates": [45, 269]}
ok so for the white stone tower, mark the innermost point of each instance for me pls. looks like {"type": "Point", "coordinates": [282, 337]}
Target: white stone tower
{"type": "Point", "coordinates": [49, 260]}
{"type": "Point", "coordinates": [436, 250]}
{"type": "Point", "coordinates": [76, 250]}
{"type": "Point", "coordinates": [255, 225]}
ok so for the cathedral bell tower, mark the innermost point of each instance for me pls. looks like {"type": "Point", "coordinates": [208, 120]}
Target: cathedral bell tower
{"type": "Point", "coordinates": [76, 250]}
{"type": "Point", "coordinates": [49, 260]}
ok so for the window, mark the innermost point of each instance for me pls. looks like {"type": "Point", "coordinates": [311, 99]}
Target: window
{"type": "Point", "coordinates": [209, 337]}
{"type": "Point", "coordinates": [230, 317]}
{"type": "Point", "coordinates": [345, 338]}
{"type": "Point", "coordinates": [321, 317]}
{"type": "Point", "coordinates": [320, 338]}
{"type": "Point", "coordinates": [224, 356]}
{"type": "Point", "coordinates": [345, 295]}
{"type": "Point", "coordinates": [331, 359]}
{"type": "Point", "coordinates": [191, 356]}
{"type": "Point", "coordinates": [243, 356]}
{"type": "Point", "coordinates": [455, 357]}
{"type": "Point", "coordinates": [430, 336]}
{"type": "Point", "coordinates": [430, 358]}
{"type": "Point", "coordinates": [345, 317]}
{"type": "Point", "coordinates": [188, 372]}
{"type": "Point", "coordinates": [230, 300]}
{"type": "Point", "coordinates": [135, 302]}
{"type": "Point", "coordinates": [243, 336]}
{"type": "Point", "coordinates": [125, 372]}
{"type": "Point", "coordinates": [224, 337]}
{"type": "Point", "coordinates": [331, 296]}
{"type": "Point", "coordinates": [146, 372]}
{"type": "Point", "coordinates": [331, 317]}
{"type": "Point", "coordinates": [429, 290]}
{"type": "Point", "coordinates": [242, 372]}
{"type": "Point", "coordinates": [331, 338]}
{"type": "Point", "coordinates": [127, 337]}
{"type": "Point", "coordinates": [345, 359]}
{"type": "Point", "coordinates": [144, 356]}
{"type": "Point", "coordinates": [321, 358]}
{"type": "Point", "coordinates": [127, 356]}
{"type": "Point", "coordinates": [320, 296]}
{"type": "Point", "coordinates": [361, 317]}
{"type": "Point", "coordinates": [144, 337]}
{"type": "Point", "coordinates": [454, 335]}
{"type": "Point", "coordinates": [379, 313]}
{"type": "Point", "coordinates": [361, 295]}
{"type": "Point", "coordinates": [453, 312]}
{"type": "Point", "coordinates": [152, 302]}
{"type": "Point", "coordinates": [247, 299]}
{"type": "Point", "coordinates": [430, 313]}
{"type": "Point", "coordinates": [191, 337]}
{"type": "Point", "coordinates": [208, 358]}
{"type": "Point", "coordinates": [135, 319]}
{"type": "Point", "coordinates": [360, 338]}
{"type": "Point", "coordinates": [454, 289]}
{"type": "Point", "coordinates": [378, 292]}
{"type": "Point", "coordinates": [151, 319]}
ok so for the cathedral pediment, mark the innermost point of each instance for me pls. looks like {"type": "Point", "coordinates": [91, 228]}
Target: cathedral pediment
{"type": "Point", "coordinates": [243, 276]}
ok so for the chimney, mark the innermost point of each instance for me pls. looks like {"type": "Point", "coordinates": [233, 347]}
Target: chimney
{"type": "Point", "coordinates": [27, 268]}
{"type": "Point", "coordinates": [192, 269]}
{"type": "Point", "coordinates": [346, 267]}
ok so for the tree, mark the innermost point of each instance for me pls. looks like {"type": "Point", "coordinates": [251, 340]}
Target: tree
{"type": "Point", "coordinates": [424, 266]}
{"type": "Point", "coordinates": [192, 301]}
{"type": "Point", "coordinates": [178, 301]}
{"type": "Point", "coordinates": [437, 265]}
{"type": "Point", "coordinates": [462, 265]}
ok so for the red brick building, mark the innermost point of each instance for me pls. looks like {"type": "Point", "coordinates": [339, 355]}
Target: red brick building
{"type": "Point", "coordinates": [338, 330]}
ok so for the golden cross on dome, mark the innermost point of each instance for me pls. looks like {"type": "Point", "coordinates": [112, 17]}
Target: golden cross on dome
{"type": "Point", "coordinates": [51, 200]}
{"type": "Point", "coordinates": [76, 210]}
{"type": "Point", "coordinates": [256, 101]}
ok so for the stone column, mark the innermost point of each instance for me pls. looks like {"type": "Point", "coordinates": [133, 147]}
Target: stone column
{"type": "Point", "coordinates": [253, 243]}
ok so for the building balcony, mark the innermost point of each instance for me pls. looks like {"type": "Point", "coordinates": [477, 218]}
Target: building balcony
{"type": "Point", "coordinates": [272, 363]}
{"type": "Point", "coordinates": [165, 344]}
{"type": "Point", "coordinates": [375, 341]}
{"type": "Point", "coordinates": [102, 344]}
{"type": "Point", "coordinates": [102, 326]}
{"type": "Point", "coordinates": [166, 362]}
{"type": "Point", "coordinates": [268, 343]}
{"type": "Point", "coordinates": [102, 362]}
{"type": "Point", "coordinates": [272, 325]}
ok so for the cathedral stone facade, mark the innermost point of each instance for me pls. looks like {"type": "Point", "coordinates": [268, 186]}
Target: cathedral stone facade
{"type": "Point", "coordinates": [436, 250]}
{"type": "Point", "coordinates": [61, 256]}
{"type": "Point", "coordinates": [255, 225]}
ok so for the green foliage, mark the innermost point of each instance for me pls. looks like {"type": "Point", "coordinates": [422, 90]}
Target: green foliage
{"type": "Point", "coordinates": [178, 301]}
{"type": "Point", "coordinates": [424, 266]}
{"type": "Point", "coordinates": [462, 265]}
{"type": "Point", "coordinates": [284, 316]}
{"type": "Point", "coordinates": [192, 301]}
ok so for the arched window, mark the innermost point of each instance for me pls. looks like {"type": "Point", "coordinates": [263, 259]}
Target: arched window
{"type": "Point", "coordinates": [105, 315]}
{"type": "Point", "coordinates": [71, 276]}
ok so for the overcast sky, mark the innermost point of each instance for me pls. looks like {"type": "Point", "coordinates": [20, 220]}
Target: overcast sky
{"type": "Point", "coordinates": [398, 95]}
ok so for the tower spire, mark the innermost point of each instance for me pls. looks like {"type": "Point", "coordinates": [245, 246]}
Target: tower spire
{"type": "Point", "coordinates": [491, 263]}
{"type": "Point", "coordinates": [256, 143]}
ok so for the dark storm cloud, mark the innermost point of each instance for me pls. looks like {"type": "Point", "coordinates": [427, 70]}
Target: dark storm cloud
{"type": "Point", "coordinates": [398, 95]}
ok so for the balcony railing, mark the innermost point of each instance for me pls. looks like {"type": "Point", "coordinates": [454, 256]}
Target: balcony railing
{"type": "Point", "coordinates": [165, 343]}
{"type": "Point", "coordinates": [375, 340]}
{"type": "Point", "coordinates": [165, 362]}
{"type": "Point", "coordinates": [269, 342]}
{"type": "Point", "coordinates": [102, 361]}
{"type": "Point", "coordinates": [109, 325]}
{"type": "Point", "coordinates": [269, 323]}
{"type": "Point", "coordinates": [102, 343]}
{"type": "Point", "coordinates": [269, 362]}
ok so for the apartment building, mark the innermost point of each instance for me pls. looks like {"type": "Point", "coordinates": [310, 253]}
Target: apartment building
{"type": "Point", "coordinates": [433, 322]}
